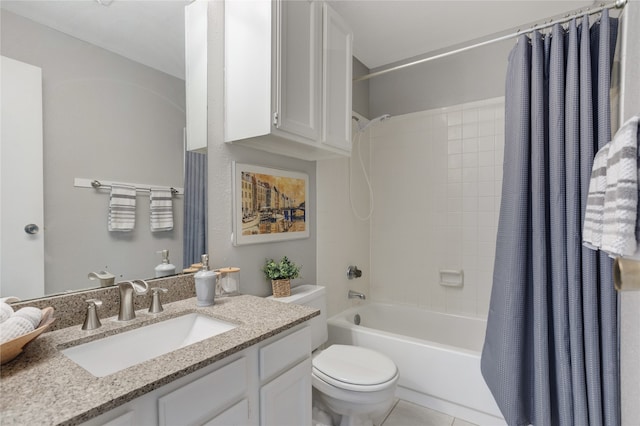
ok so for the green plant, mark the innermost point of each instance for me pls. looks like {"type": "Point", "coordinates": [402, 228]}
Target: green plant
{"type": "Point", "coordinates": [282, 270]}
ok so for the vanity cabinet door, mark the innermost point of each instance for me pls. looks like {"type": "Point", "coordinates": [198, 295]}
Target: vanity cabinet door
{"type": "Point", "coordinates": [286, 400]}
{"type": "Point", "coordinates": [238, 415]}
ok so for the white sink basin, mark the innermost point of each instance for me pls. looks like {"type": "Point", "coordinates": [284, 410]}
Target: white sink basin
{"type": "Point", "coordinates": [114, 353]}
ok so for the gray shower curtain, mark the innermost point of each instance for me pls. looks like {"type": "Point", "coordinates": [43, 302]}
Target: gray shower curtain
{"type": "Point", "coordinates": [195, 208]}
{"type": "Point", "coordinates": [550, 352]}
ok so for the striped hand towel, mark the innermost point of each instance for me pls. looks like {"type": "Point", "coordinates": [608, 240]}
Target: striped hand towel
{"type": "Point", "coordinates": [122, 208]}
{"type": "Point", "coordinates": [161, 209]}
{"type": "Point", "coordinates": [621, 197]}
{"type": "Point", "coordinates": [594, 214]}
{"type": "Point", "coordinates": [620, 205]}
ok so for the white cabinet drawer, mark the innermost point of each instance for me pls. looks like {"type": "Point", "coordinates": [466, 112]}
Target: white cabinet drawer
{"type": "Point", "coordinates": [284, 353]}
{"type": "Point", "coordinates": [200, 400]}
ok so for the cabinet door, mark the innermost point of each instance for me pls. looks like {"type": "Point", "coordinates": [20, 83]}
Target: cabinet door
{"type": "Point", "coordinates": [298, 68]}
{"type": "Point", "coordinates": [337, 71]}
{"type": "Point", "coordinates": [238, 415]}
{"type": "Point", "coordinates": [286, 400]}
{"type": "Point", "coordinates": [195, 15]}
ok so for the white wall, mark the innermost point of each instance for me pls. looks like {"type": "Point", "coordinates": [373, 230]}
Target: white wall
{"type": "Point", "coordinates": [436, 178]}
{"type": "Point", "coordinates": [343, 239]}
{"type": "Point", "coordinates": [469, 76]}
{"type": "Point", "coordinates": [105, 117]}
{"type": "Point", "coordinates": [630, 301]}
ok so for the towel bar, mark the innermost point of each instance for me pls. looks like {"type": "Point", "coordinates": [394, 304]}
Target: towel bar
{"type": "Point", "coordinates": [98, 184]}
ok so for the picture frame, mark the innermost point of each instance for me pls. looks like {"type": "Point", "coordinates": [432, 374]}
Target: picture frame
{"type": "Point", "coordinates": [269, 204]}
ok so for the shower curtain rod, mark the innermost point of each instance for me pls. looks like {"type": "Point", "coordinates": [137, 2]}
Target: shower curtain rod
{"type": "Point", "coordinates": [618, 4]}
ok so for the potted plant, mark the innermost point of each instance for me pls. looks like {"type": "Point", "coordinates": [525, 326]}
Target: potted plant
{"type": "Point", "coordinates": [281, 273]}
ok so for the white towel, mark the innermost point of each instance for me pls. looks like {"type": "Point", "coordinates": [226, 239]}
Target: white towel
{"type": "Point", "coordinates": [122, 208]}
{"type": "Point", "coordinates": [161, 209]}
{"type": "Point", "coordinates": [594, 213]}
{"type": "Point", "coordinates": [614, 229]}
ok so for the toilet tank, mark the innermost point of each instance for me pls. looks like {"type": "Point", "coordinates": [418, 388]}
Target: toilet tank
{"type": "Point", "coordinates": [315, 297]}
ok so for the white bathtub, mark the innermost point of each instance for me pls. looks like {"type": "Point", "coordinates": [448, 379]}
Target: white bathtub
{"type": "Point", "coordinates": [438, 356]}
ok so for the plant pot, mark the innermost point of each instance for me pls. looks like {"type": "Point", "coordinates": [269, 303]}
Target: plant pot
{"type": "Point", "coordinates": [281, 288]}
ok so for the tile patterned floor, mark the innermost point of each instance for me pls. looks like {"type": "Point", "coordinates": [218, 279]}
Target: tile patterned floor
{"type": "Point", "coordinates": [407, 414]}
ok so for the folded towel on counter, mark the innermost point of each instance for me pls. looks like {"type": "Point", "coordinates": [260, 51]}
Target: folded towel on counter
{"type": "Point", "coordinates": [161, 209]}
{"type": "Point", "coordinates": [611, 221]}
{"type": "Point", "coordinates": [15, 327]}
{"type": "Point", "coordinates": [122, 208]}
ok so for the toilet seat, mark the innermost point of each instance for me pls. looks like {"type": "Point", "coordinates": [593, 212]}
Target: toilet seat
{"type": "Point", "coordinates": [355, 368]}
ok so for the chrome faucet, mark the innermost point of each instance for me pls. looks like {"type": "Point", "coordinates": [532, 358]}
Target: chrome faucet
{"type": "Point", "coordinates": [127, 290]}
{"type": "Point", "coordinates": [356, 295]}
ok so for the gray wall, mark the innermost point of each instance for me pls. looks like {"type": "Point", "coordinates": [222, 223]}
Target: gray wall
{"type": "Point", "coordinates": [249, 258]}
{"type": "Point", "coordinates": [470, 76]}
{"type": "Point", "coordinates": [105, 117]}
{"type": "Point", "coordinates": [630, 301]}
{"type": "Point", "coordinates": [360, 89]}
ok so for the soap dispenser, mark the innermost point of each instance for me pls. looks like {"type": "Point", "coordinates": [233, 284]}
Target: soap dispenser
{"type": "Point", "coordinates": [165, 268]}
{"type": "Point", "coordinates": [205, 283]}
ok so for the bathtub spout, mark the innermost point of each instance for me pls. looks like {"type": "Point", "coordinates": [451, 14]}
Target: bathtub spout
{"type": "Point", "coordinates": [356, 295]}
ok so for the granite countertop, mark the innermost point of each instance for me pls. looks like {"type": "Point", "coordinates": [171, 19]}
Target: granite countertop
{"type": "Point", "coordinates": [42, 386]}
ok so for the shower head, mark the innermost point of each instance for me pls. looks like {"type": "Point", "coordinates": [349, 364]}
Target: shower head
{"type": "Point", "coordinates": [363, 127]}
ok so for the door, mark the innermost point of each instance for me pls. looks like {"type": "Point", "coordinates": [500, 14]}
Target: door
{"type": "Point", "coordinates": [298, 68]}
{"type": "Point", "coordinates": [21, 181]}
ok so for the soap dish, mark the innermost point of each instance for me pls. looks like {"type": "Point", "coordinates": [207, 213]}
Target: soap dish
{"type": "Point", "coordinates": [12, 348]}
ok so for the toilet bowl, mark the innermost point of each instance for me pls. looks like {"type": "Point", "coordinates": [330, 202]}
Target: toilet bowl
{"type": "Point", "coordinates": [358, 384]}
{"type": "Point", "coordinates": [355, 382]}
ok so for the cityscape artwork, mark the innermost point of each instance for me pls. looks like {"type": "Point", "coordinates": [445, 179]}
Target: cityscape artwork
{"type": "Point", "coordinates": [269, 204]}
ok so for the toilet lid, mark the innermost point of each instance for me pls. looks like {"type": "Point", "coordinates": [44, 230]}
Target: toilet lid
{"type": "Point", "coordinates": [354, 365]}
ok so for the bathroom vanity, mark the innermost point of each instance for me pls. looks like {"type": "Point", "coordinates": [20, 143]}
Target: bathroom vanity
{"type": "Point", "coordinates": [258, 373]}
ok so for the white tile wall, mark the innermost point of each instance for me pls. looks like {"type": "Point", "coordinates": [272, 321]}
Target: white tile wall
{"type": "Point", "coordinates": [437, 178]}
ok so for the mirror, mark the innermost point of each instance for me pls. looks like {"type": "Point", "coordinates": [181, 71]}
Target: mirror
{"type": "Point", "coordinates": [109, 114]}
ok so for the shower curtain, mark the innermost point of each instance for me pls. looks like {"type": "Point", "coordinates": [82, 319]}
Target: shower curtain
{"type": "Point", "coordinates": [195, 208]}
{"type": "Point", "coordinates": [550, 355]}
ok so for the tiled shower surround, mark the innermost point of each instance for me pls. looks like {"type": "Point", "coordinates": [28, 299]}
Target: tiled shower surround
{"type": "Point", "coordinates": [437, 178]}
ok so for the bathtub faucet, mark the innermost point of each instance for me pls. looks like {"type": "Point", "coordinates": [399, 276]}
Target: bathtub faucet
{"type": "Point", "coordinates": [356, 295]}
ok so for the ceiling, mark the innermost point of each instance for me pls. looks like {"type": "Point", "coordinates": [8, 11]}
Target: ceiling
{"type": "Point", "coordinates": [385, 31]}
{"type": "Point", "coordinates": [394, 30]}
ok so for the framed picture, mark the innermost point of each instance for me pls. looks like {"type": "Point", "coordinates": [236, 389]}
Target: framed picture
{"type": "Point", "coordinates": [269, 204]}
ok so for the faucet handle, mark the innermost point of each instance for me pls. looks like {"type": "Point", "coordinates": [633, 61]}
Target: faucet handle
{"type": "Point", "coordinates": [156, 305]}
{"type": "Point", "coordinates": [353, 272]}
{"type": "Point", "coordinates": [91, 321]}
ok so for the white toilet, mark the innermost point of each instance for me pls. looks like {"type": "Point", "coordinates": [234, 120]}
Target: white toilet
{"type": "Point", "coordinates": [354, 382]}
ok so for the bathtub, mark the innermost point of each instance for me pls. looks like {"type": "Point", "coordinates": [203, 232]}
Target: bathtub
{"type": "Point", "coordinates": [438, 356]}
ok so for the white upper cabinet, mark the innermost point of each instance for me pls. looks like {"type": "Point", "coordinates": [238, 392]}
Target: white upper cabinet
{"type": "Point", "coordinates": [287, 78]}
{"type": "Point", "coordinates": [337, 71]}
